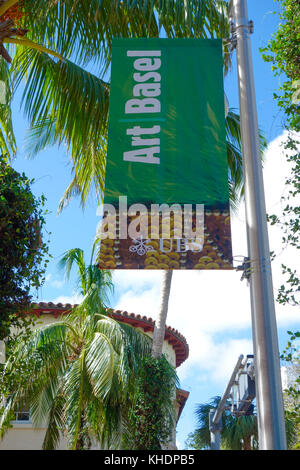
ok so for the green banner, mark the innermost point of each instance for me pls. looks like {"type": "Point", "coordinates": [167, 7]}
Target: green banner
{"type": "Point", "coordinates": [166, 122]}
{"type": "Point", "coordinates": [166, 145]}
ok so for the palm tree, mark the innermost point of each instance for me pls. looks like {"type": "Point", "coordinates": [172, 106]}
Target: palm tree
{"type": "Point", "coordinates": [240, 433]}
{"type": "Point", "coordinates": [160, 323]}
{"type": "Point", "coordinates": [10, 14]}
{"type": "Point", "coordinates": [65, 102]}
{"type": "Point", "coordinates": [7, 138]}
{"type": "Point", "coordinates": [82, 368]}
{"type": "Point", "coordinates": [237, 433]}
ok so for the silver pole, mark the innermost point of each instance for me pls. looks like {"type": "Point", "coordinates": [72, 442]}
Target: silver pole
{"type": "Point", "coordinates": [215, 431]}
{"type": "Point", "coordinates": [271, 425]}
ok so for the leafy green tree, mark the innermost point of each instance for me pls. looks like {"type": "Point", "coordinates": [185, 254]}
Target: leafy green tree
{"type": "Point", "coordinates": [23, 254]}
{"type": "Point", "coordinates": [151, 416]}
{"type": "Point", "coordinates": [148, 423]}
{"type": "Point", "coordinates": [7, 137]}
{"type": "Point", "coordinates": [291, 359]}
{"type": "Point", "coordinates": [283, 53]}
{"type": "Point", "coordinates": [289, 222]}
{"type": "Point", "coordinates": [12, 379]}
{"type": "Point", "coordinates": [83, 368]}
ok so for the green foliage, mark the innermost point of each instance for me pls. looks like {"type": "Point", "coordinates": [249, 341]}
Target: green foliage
{"type": "Point", "coordinates": [82, 368]}
{"type": "Point", "coordinates": [234, 157]}
{"type": "Point", "coordinates": [19, 375]}
{"type": "Point", "coordinates": [237, 433]}
{"type": "Point", "coordinates": [83, 36]}
{"type": "Point", "coordinates": [7, 138]}
{"type": "Point", "coordinates": [22, 330]}
{"type": "Point", "coordinates": [22, 251]}
{"type": "Point", "coordinates": [240, 433]}
{"type": "Point", "coordinates": [283, 51]}
{"type": "Point", "coordinates": [289, 222]}
{"type": "Point", "coordinates": [152, 414]}
{"type": "Point", "coordinates": [291, 358]}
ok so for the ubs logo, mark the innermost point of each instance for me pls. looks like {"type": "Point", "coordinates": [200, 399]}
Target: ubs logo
{"type": "Point", "coordinates": [179, 245]}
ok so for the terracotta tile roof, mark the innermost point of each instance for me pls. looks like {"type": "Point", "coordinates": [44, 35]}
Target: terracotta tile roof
{"type": "Point", "coordinates": [181, 397]}
{"type": "Point", "coordinates": [173, 336]}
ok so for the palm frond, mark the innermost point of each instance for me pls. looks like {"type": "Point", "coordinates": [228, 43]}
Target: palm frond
{"type": "Point", "coordinates": [237, 430]}
{"type": "Point", "coordinates": [74, 382]}
{"type": "Point", "coordinates": [100, 287]}
{"type": "Point", "coordinates": [56, 92]}
{"type": "Point", "coordinates": [55, 425]}
{"type": "Point", "coordinates": [24, 42]}
{"type": "Point", "coordinates": [73, 257]}
{"type": "Point", "coordinates": [7, 137]}
{"type": "Point", "coordinates": [46, 351]}
{"type": "Point", "coordinates": [96, 285]}
{"type": "Point", "coordinates": [88, 169]}
{"type": "Point", "coordinates": [100, 365]}
{"type": "Point", "coordinates": [84, 30]}
{"type": "Point", "coordinates": [130, 345]}
{"type": "Point", "coordinates": [234, 157]}
{"type": "Point", "coordinates": [65, 103]}
{"type": "Point", "coordinates": [42, 399]}
{"type": "Point", "coordinates": [138, 345]}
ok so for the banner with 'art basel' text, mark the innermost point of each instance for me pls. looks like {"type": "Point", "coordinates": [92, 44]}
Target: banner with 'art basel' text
{"type": "Point", "coordinates": [166, 200]}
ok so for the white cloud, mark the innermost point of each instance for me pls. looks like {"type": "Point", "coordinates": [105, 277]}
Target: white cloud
{"type": "Point", "coordinates": [64, 299]}
{"type": "Point", "coordinates": [215, 359]}
{"type": "Point", "coordinates": [144, 303]}
{"type": "Point", "coordinates": [58, 284]}
{"type": "Point", "coordinates": [140, 279]}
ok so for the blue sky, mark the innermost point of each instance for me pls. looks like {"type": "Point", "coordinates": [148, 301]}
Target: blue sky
{"type": "Point", "coordinates": [211, 309]}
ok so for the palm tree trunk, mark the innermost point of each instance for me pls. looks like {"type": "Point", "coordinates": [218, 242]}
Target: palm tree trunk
{"type": "Point", "coordinates": [247, 443]}
{"type": "Point", "coordinates": [160, 323]}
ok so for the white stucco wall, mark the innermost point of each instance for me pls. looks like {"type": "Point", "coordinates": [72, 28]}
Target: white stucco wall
{"type": "Point", "coordinates": [24, 437]}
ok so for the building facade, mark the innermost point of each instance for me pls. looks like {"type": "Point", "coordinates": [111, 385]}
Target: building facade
{"type": "Point", "coordinates": [23, 436]}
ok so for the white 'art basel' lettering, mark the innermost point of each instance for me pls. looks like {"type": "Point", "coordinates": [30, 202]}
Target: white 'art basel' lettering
{"type": "Point", "coordinates": [145, 100]}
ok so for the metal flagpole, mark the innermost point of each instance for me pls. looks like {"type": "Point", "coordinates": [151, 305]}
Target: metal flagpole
{"type": "Point", "coordinates": [271, 425]}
